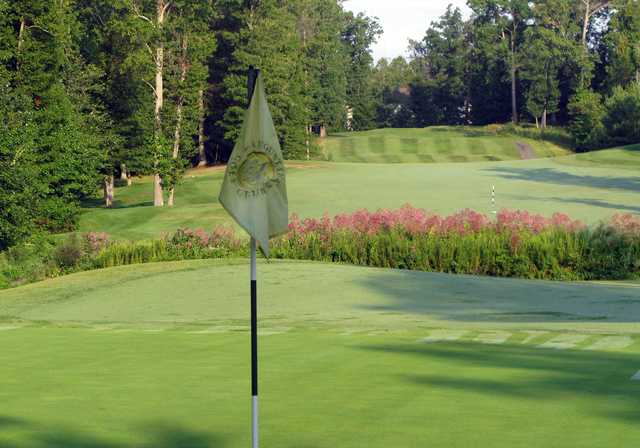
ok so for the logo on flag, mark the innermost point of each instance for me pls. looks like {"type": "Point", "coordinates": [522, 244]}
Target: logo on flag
{"type": "Point", "coordinates": [257, 172]}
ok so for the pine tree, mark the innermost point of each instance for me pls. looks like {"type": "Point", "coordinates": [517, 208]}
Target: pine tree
{"type": "Point", "coordinates": [267, 39]}
{"type": "Point", "coordinates": [360, 33]}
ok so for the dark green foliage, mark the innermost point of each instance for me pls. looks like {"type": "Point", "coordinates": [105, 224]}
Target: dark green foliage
{"type": "Point", "coordinates": [622, 45]}
{"type": "Point", "coordinates": [622, 119]}
{"type": "Point", "coordinates": [360, 33]}
{"type": "Point", "coordinates": [50, 156]}
{"type": "Point", "coordinates": [587, 112]}
{"type": "Point", "coordinates": [440, 93]}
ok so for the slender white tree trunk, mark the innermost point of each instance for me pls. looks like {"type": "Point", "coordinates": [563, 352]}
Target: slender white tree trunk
{"type": "Point", "coordinates": [202, 154]}
{"type": "Point", "coordinates": [514, 100]}
{"type": "Point", "coordinates": [161, 8]}
{"type": "Point", "coordinates": [179, 106]}
{"type": "Point", "coordinates": [109, 191]}
{"type": "Point", "coordinates": [123, 172]}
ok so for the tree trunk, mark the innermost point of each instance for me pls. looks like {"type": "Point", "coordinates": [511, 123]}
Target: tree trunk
{"type": "Point", "coordinates": [202, 154]}
{"type": "Point", "coordinates": [123, 172]}
{"type": "Point", "coordinates": [306, 142]}
{"type": "Point", "coordinates": [129, 179]}
{"type": "Point", "coordinates": [23, 26]}
{"type": "Point", "coordinates": [323, 131]}
{"type": "Point", "coordinates": [180, 105]}
{"type": "Point", "coordinates": [585, 21]}
{"type": "Point", "coordinates": [537, 123]}
{"type": "Point", "coordinates": [543, 121]}
{"type": "Point", "coordinates": [514, 99]}
{"type": "Point", "coordinates": [158, 199]}
{"type": "Point", "coordinates": [108, 191]}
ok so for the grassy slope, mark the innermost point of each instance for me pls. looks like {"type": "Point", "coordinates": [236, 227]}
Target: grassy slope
{"type": "Point", "coordinates": [589, 186]}
{"type": "Point", "coordinates": [438, 144]}
{"type": "Point", "coordinates": [156, 355]}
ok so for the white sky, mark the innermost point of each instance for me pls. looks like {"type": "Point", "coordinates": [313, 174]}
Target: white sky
{"type": "Point", "coordinates": [402, 20]}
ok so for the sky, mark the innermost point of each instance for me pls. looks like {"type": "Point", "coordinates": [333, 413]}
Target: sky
{"type": "Point", "coordinates": [402, 20]}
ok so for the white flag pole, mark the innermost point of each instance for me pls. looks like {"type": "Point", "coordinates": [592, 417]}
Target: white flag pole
{"type": "Point", "coordinates": [251, 83]}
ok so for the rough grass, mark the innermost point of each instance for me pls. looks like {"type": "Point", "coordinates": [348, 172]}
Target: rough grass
{"type": "Point", "coordinates": [432, 145]}
{"type": "Point", "coordinates": [157, 356]}
{"type": "Point", "coordinates": [589, 187]}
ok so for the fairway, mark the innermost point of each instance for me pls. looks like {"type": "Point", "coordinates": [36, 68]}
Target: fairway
{"type": "Point", "coordinates": [590, 187]}
{"type": "Point", "coordinates": [436, 144]}
{"type": "Point", "coordinates": [156, 355]}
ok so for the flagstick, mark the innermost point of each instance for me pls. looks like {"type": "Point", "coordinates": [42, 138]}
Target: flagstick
{"type": "Point", "coordinates": [251, 83]}
{"type": "Point", "coordinates": [254, 347]}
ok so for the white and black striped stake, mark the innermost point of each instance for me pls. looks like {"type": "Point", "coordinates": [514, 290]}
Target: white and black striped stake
{"type": "Point", "coordinates": [493, 199]}
{"type": "Point", "coordinates": [251, 83]}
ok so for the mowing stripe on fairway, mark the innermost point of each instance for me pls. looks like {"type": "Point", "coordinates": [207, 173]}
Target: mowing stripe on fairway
{"type": "Point", "coordinates": [611, 343]}
{"type": "Point", "coordinates": [444, 335]}
{"type": "Point", "coordinates": [532, 334]}
{"type": "Point", "coordinates": [564, 341]}
{"type": "Point", "coordinates": [493, 337]}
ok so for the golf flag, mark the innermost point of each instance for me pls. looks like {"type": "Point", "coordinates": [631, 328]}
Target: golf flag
{"type": "Point", "coordinates": [254, 191]}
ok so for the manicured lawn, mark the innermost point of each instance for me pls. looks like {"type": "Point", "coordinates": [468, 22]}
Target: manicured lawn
{"type": "Point", "coordinates": [157, 356]}
{"type": "Point", "coordinates": [437, 144]}
{"type": "Point", "coordinates": [590, 187]}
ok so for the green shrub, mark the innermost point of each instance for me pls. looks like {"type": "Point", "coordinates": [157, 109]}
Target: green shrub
{"type": "Point", "coordinates": [587, 113]}
{"type": "Point", "coordinates": [69, 254]}
{"type": "Point", "coordinates": [622, 119]}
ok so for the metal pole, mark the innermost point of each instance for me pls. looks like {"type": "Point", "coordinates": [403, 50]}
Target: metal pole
{"type": "Point", "coordinates": [251, 83]}
{"type": "Point", "coordinates": [254, 348]}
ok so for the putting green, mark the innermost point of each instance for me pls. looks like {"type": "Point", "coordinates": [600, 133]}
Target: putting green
{"type": "Point", "coordinates": [589, 187]}
{"type": "Point", "coordinates": [157, 355]}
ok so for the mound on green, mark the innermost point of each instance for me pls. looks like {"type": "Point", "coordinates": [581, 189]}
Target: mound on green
{"type": "Point", "coordinates": [589, 187]}
{"type": "Point", "coordinates": [157, 356]}
{"type": "Point", "coordinates": [438, 144]}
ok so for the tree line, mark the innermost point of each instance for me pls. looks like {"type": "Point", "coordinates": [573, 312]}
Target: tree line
{"type": "Point", "coordinates": [94, 92]}
{"type": "Point", "coordinates": [565, 62]}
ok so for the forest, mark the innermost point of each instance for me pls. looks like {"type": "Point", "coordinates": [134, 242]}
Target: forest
{"type": "Point", "coordinates": [95, 92]}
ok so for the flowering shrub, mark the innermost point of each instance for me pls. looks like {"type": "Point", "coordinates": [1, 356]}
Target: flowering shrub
{"type": "Point", "coordinates": [96, 241]}
{"type": "Point", "coordinates": [187, 243]}
{"type": "Point", "coordinates": [514, 244]}
{"type": "Point", "coordinates": [626, 224]}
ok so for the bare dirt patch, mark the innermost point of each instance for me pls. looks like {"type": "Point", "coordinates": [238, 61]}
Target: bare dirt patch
{"type": "Point", "coordinates": [526, 151]}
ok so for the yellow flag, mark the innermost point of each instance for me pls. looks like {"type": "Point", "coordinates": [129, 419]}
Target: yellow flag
{"type": "Point", "coordinates": [254, 191]}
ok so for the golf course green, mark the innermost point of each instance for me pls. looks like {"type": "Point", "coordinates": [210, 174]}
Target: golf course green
{"type": "Point", "coordinates": [157, 355]}
{"type": "Point", "coordinates": [590, 187]}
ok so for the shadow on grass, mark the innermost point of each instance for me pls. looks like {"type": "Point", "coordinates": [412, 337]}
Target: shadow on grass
{"type": "Point", "coordinates": [488, 299]}
{"type": "Point", "coordinates": [557, 177]}
{"type": "Point", "coordinates": [157, 435]}
{"type": "Point", "coordinates": [99, 203]}
{"type": "Point", "coordinates": [597, 203]}
{"type": "Point", "coordinates": [530, 373]}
